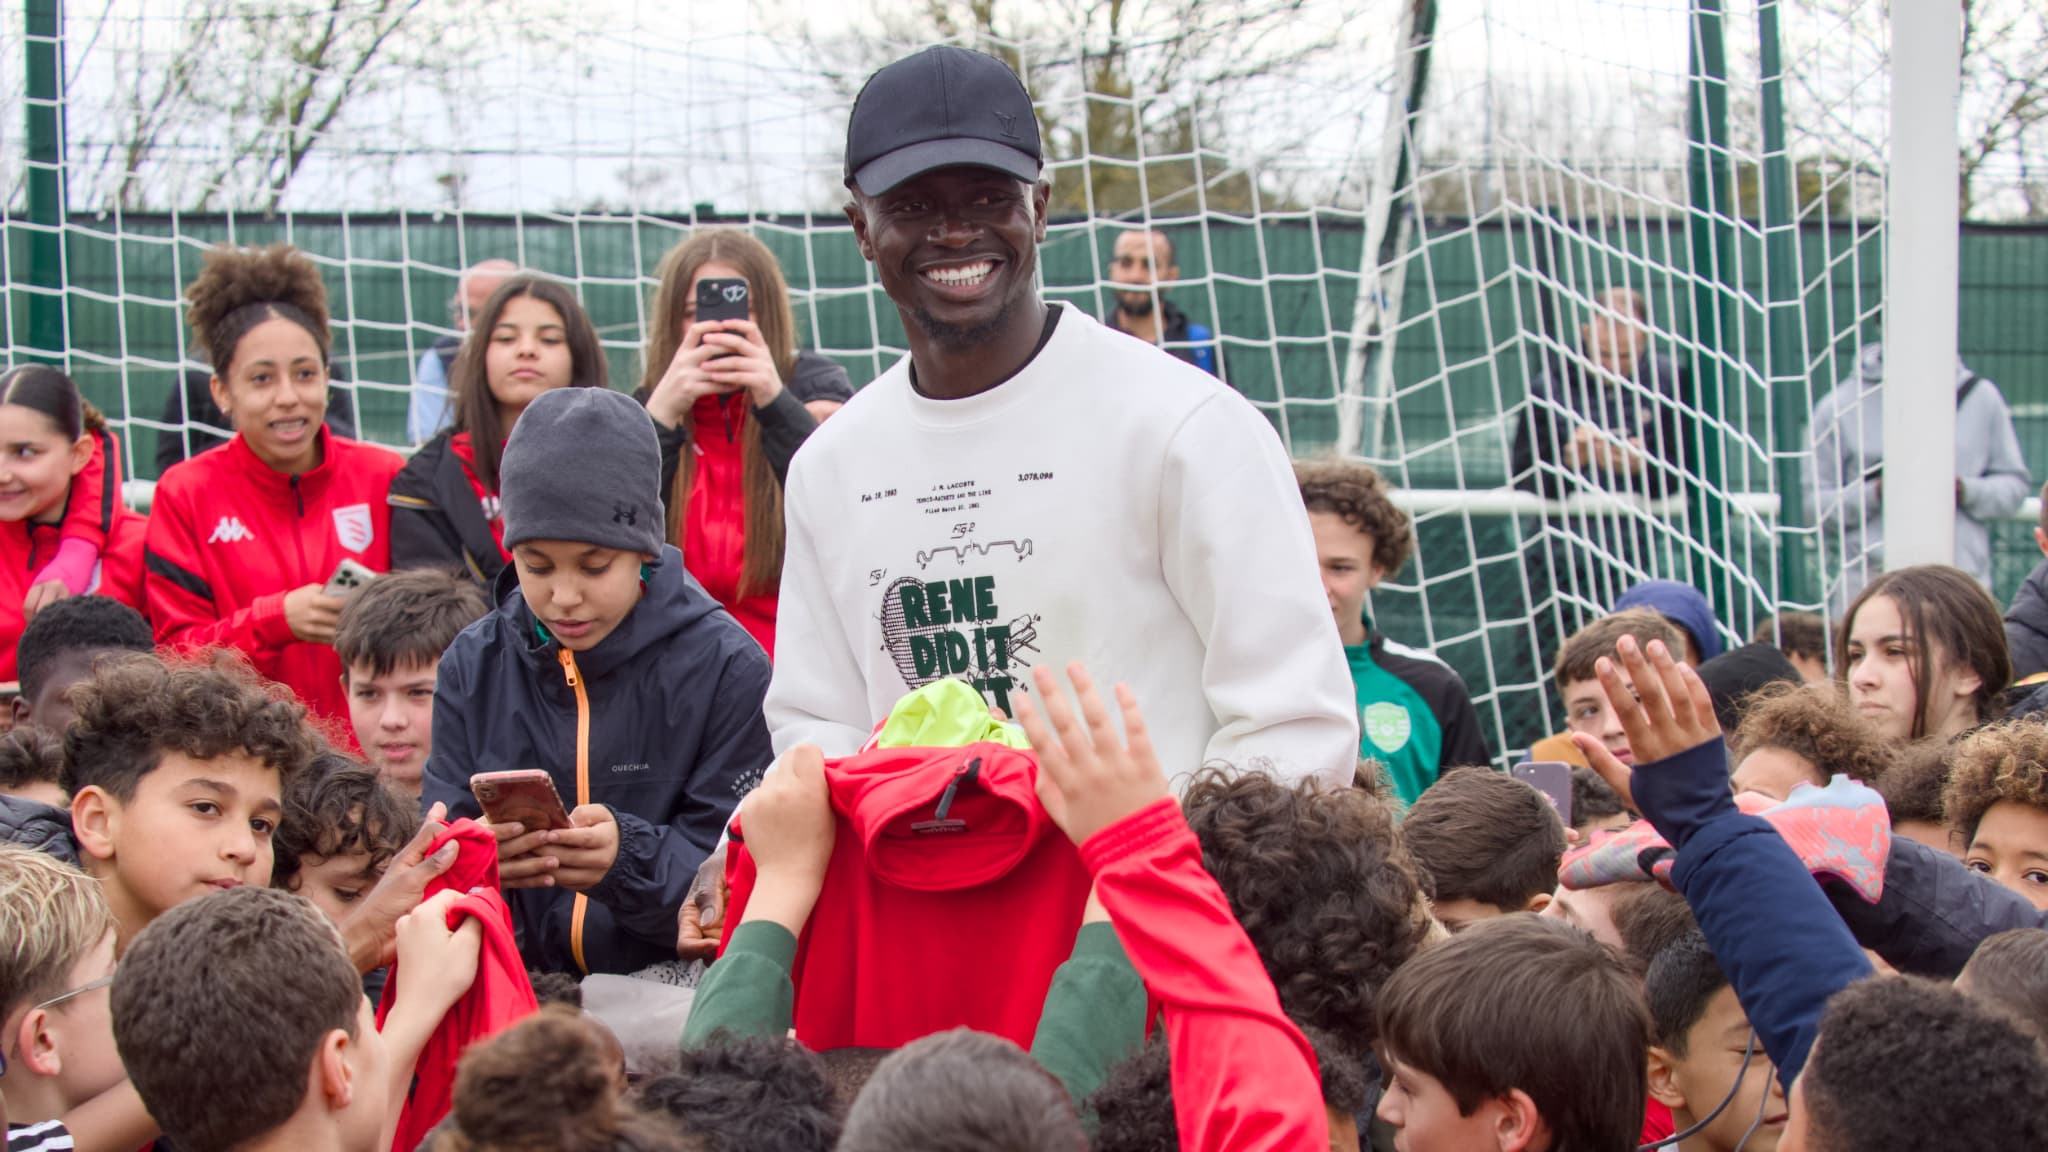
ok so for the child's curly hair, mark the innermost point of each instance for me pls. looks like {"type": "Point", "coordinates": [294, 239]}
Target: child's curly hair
{"type": "Point", "coordinates": [1322, 886]}
{"type": "Point", "coordinates": [1815, 723]}
{"type": "Point", "coordinates": [240, 288]}
{"type": "Point", "coordinates": [545, 1085]}
{"type": "Point", "coordinates": [2004, 762]}
{"type": "Point", "coordinates": [1358, 494]}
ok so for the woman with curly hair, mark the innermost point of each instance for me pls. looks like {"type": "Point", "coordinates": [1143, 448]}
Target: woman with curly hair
{"type": "Point", "coordinates": [243, 538]}
{"type": "Point", "coordinates": [741, 398]}
{"type": "Point", "coordinates": [1996, 803]}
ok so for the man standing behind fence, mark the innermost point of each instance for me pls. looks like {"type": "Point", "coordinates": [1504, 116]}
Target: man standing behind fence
{"type": "Point", "coordinates": [1029, 488]}
{"type": "Point", "coordinates": [1140, 260]}
{"type": "Point", "coordinates": [1606, 421]}
{"type": "Point", "coordinates": [431, 408]}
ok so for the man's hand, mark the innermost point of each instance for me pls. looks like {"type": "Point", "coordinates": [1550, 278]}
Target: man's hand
{"type": "Point", "coordinates": [584, 852]}
{"type": "Point", "coordinates": [438, 964]}
{"type": "Point", "coordinates": [790, 831]}
{"type": "Point", "coordinates": [701, 923]}
{"type": "Point", "coordinates": [371, 930]}
{"type": "Point", "coordinates": [1669, 712]}
{"type": "Point", "coordinates": [1088, 779]}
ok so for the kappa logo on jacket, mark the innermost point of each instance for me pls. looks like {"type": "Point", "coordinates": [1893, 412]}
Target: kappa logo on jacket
{"type": "Point", "coordinates": [230, 530]}
{"type": "Point", "coordinates": [353, 527]}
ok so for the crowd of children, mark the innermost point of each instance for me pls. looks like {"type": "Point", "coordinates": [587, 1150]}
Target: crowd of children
{"type": "Point", "coordinates": [1790, 894]}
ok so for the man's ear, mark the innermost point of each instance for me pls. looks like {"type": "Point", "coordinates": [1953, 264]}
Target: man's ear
{"type": "Point", "coordinates": [21, 710]}
{"type": "Point", "coordinates": [332, 1074]}
{"type": "Point", "coordinates": [95, 819]}
{"type": "Point", "coordinates": [2041, 541]}
{"type": "Point", "coordinates": [1041, 201]}
{"type": "Point", "coordinates": [1664, 1086]}
{"type": "Point", "coordinates": [857, 215]}
{"type": "Point", "coordinates": [1538, 902]}
{"type": "Point", "coordinates": [1518, 1126]}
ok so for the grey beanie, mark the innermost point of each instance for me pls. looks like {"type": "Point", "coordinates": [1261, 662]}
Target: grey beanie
{"type": "Point", "coordinates": [583, 464]}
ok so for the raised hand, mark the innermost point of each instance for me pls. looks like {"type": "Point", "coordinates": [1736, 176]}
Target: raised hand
{"type": "Point", "coordinates": [1088, 777]}
{"type": "Point", "coordinates": [1668, 712]}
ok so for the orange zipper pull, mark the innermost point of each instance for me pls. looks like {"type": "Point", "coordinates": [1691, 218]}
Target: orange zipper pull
{"type": "Point", "coordinates": [568, 659]}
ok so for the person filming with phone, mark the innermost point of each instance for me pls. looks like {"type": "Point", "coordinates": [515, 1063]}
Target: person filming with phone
{"type": "Point", "coordinates": [733, 399]}
{"type": "Point", "coordinates": [245, 541]}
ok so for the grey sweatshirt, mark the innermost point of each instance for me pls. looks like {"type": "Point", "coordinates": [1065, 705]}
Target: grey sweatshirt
{"type": "Point", "coordinates": [1844, 497]}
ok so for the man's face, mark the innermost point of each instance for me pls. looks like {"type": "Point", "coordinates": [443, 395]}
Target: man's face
{"type": "Point", "coordinates": [1140, 259]}
{"type": "Point", "coordinates": [192, 827]}
{"type": "Point", "coordinates": [1700, 1080]}
{"type": "Point", "coordinates": [956, 249]}
{"type": "Point", "coordinates": [1612, 343]}
{"type": "Point", "coordinates": [1587, 711]}
{"type": "Point", "coordinates": [582, 592]}
{"type": "Point", "coordinates": [393, 716]}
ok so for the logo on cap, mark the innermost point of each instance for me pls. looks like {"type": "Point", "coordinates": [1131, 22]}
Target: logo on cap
{"type": "Point", "coordinates": [626, 514]}
{"type": "Point", "coordinates": [1009, 124]}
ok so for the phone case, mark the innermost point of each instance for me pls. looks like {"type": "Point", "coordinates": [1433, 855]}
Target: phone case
{"type": "Point", "coordinates": [522, 797]}
{"type": "Point", "coordinates": [1553, 778]}
{"type": "Point", "coordinates": [722, 300]}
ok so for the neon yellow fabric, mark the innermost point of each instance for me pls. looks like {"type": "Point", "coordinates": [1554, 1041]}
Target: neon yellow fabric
{"type": "Point", "coordinates": [946, 714]}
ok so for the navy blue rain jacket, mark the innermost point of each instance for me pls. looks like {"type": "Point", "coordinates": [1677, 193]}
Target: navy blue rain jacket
{"type": "Point", "coordinates": [1766, 920]}
{"type": "Point", "coordinates": [676, 738]}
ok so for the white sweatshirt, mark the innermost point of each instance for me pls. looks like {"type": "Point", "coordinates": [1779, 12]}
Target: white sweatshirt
{"type": "Point", "coordinates": [1108, 504]}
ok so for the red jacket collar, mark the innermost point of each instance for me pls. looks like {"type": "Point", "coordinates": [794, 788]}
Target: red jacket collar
{"type": "Point", "coordinates": [270, 481]}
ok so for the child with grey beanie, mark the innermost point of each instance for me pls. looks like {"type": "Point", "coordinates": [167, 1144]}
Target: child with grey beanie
{"type": "Point", "coordinates": [606, 665]}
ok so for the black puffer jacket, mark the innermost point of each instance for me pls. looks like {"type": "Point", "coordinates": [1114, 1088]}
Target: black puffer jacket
{"type": "Point", "coordinates": [33, 824]}
{"type": "Point", "coordinates": [672, 708]}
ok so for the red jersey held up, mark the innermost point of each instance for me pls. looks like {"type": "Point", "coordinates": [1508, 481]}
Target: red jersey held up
{"type": "Point", "coordinates": [229, 536]}
{"type": "Point", "coordinates": [950, 899]}
{"type": "Point", "coordinates": [499, 997]}
{"type": "Point", "coordinates": [25, 548]}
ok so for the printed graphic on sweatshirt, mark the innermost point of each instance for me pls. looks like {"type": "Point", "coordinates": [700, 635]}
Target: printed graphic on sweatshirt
{"type": "Point", "coordinates": [1387, 725]}
{"type": "Point", "coordinates": [957, 628]}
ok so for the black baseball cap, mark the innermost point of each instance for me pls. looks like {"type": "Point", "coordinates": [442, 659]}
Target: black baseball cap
{"type": "Point", "coordinates": [942, 107]}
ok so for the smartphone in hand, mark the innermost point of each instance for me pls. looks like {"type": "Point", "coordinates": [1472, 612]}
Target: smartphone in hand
{"type": "Point", "coordinates": [525, 796]}
{"type": "Point", "coordinates": [350, 576]}
{"type": "Point", "coordinates": [1553, 778]}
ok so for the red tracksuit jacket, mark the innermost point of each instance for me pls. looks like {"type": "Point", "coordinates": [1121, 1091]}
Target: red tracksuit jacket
{"type": "Point", "coordinates": [931, 919]}
{"type": "Point", "coordinates": [714, 521]}
{"type": "Point", "coordinates": [94, 512]}
{"type": "Point", "coordinates": [1244, 1077]}
{"type": "Point", "coordinates": [499, 997]}
{"type": "Point", "coordinates": [229, 536]}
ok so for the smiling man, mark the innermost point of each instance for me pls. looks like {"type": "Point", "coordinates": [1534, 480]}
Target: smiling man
{"type": "Point", "coordinates": [1030, 487]}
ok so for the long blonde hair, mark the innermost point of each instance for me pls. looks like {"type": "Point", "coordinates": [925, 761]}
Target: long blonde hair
{"type": "Point", "coordinates": [761, 568]}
